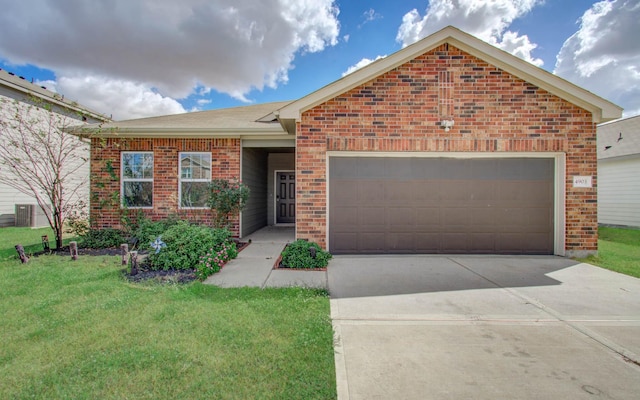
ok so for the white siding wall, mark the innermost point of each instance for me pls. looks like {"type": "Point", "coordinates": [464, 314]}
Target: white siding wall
{"type": "Point", "coordinates": [9, 196]}
{"type": "Point", "coordinates": [619, 191]}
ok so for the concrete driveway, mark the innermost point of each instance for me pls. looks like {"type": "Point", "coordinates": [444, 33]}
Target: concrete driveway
{"type": "Point", "coordinates": [476, 327]}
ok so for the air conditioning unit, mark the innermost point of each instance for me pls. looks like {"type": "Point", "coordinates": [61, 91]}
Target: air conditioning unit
{"type": "Point", "coordinates": [25, 214]}
{"type": "Point", "coordinates": [30, 215]}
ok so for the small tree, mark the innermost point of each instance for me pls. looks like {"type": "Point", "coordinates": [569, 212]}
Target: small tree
{"type": "Point", "coordinates": [40, 159]}
{"type": "Point", "coordinates": [226, 198]}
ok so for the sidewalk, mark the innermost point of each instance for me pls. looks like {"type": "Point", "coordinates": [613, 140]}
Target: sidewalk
{"type": "Point", "coordinates": [254, 265]}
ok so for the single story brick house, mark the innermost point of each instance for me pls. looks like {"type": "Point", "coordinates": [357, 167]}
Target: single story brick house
{"type": "Point", "coordinates": [619, 172]}
{"type": "Point", "coordinates": [450, 145]}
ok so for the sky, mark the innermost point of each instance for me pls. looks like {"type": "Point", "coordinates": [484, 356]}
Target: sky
{"type": "Point", "coordinates": [141, 58]}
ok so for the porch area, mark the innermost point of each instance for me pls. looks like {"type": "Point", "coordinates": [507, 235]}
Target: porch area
{"type": "Point", "coordinates": [254, 265]}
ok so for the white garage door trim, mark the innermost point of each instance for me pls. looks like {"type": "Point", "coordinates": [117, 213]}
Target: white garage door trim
{"type": "Point", "coordinates": [559, 180]}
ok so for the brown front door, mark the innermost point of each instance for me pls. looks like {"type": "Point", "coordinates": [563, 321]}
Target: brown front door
{"type": "Point", "coordinates": [286, 197]}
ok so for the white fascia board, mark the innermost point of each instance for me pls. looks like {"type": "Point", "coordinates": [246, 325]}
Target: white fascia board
{"type": "Point", "coordinates": [180, 133]}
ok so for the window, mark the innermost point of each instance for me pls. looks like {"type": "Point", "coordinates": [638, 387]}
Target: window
{"type": "Point", "coordinates": [137, 179]}
{"type": "Point", "coordinates": [195, 175]}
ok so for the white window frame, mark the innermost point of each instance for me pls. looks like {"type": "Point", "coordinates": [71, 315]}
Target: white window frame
{"type": "Point", "coordinates": [181, 179]}
{"type": "Point", "coordinates": [123, 179]}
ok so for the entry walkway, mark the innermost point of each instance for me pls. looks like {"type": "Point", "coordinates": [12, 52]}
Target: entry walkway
{"type": "Point", "coordinates": [254, 265]}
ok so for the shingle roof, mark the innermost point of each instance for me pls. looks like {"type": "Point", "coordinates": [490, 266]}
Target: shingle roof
{"type": "Point", "coordinates": [20, 84]}
{"type": "Point", "coordinates": [619, 138]}
{"type": "Point", "coordinates": [254, 118]}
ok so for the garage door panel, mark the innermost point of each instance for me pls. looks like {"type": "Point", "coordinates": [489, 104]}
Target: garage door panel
{"type": "Point", "coordinates": [427, 192]}
{"type": "Point", "coordinates": [428, 217]}
{"type": "Point", "coordinates": [370, 168]}
{"type": "Point", "coordinates": [441, 205]}
{"type": "Point", "coordinates": [428, 242]}
{"type": "Point", "coordinates": [400, 192]}
{"type": "Point", "coordinates": [372, 218]}
{"type": "Point", "coordinates": [457, 190]}
{"type": "Point", "coordinates": [454, 218]}
{"type": "Point", "coordinates": [401, 218]}
{"type": "Point", "coordinates": [374, 242]}
{"type": "Point", "coordinates": [369, 191]}
{"type": "Point", "coordinates": [344, 216]}
{"type": "Point", "coordinates": [482, 242]}
{"type": "Point", "coordinates": [536, 243]}
{"type": "Point", "coordinates": [455, 243]}
{"type": "Point", "coordinates": [343, 192]}
{"type": "Point", "coordinates": [343, 242]}
{"type": "Point", "coordinates": [400, 242]}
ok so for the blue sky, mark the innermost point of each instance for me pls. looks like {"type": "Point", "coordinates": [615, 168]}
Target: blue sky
{"type": "Point", "coordinates": [137, 58]}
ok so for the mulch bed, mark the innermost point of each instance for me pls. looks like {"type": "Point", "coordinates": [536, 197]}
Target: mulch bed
{"type": "Point", "coordinates": [144, 274]}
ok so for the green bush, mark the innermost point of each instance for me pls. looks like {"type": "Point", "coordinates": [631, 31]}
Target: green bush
{"type": "Point", "coordinates": [226, 198]}
{"type": "Point", "coordinates": [297, 255]}
{"type": "Point", "coordinates": [215, 258]}
{"type": "Point", "coordinates": [102, 238]}
{"type": "Point", "coordinates": [186, 244]}
{"type": "Point", "coordinates": [147, 231]}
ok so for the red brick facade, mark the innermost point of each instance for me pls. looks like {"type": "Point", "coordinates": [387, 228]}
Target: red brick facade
{"type": "Point", "coordinates": [400, 111]}
{"type": "Point", "coordinates": [105, 176]}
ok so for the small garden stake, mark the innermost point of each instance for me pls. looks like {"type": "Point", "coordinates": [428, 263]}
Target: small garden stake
{"type": "Point", "coordinates": [45, 243]}
{"type": "Point", "coordinates": [73, 248]}
{"type": "Point", "coordinates": [124, 248]}
{"type": "Point", "coordinates": [133, 258]}
{"type": "Point", "coordinates": [23, 257]}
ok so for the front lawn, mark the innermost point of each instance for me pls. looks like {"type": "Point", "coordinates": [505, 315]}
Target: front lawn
{"type": "Point", "coordinates": [618, 250]}
{"type": "Point", "coordinates": [80, 330]}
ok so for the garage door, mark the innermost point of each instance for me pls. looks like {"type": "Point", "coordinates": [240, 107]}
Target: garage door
{"type": "Point", "coordinates": [441, 205]}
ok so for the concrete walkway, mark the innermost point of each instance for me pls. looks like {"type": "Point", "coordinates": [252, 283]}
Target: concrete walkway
{"type": "Point", "coordinates": [474, 327]}
{"type": "Point", "coordinates": [254, 265]}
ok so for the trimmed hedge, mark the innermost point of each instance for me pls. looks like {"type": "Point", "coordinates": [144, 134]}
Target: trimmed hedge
{"type": "Point", "coordinates": [297, 255]}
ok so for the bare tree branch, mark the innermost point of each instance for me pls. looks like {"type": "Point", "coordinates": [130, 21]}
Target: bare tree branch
{"type": "Point", "coordinates": [40, 159]}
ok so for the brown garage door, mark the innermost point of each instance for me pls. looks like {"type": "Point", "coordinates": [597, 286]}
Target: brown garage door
{"type": "Point", "coordinates": [441, 205]}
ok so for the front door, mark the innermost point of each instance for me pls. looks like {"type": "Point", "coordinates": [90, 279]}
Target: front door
{"type": "Point", "coordinates": [286, 197]}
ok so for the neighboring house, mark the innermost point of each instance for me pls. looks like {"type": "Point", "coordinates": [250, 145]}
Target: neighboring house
{"type": "Point", "coordinates": [449, 145]}
{"type": "Point", "coordinates": [14, 88]}
{"type": "Point", "coordinates": [619, 172]}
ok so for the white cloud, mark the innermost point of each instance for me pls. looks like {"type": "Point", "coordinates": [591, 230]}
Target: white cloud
{"type": "Point", "coordinates": [369, 16]}
{"type": "Point", "coordinates": [360, 64]}
{"type": "Point", "coordinates": [488, 20]}
{"type": "Point", "coordinates": [123, 99]}
{"type": "Point", "coordinates": [232, 46]}
{"type": "Point", "coordinates": [603, 56]}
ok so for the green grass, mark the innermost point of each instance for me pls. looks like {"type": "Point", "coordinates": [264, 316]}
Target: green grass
{"type": "Point", "coordinates": [79, 330]}
{"type": "Point", "coordinates": [29, 238]}
{"type": "Point", "coordinates": [618, 250]}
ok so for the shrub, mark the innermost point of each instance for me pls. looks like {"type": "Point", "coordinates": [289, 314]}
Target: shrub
{"type": "Point", "coordinates": [297, 255]}
{"type": "Point", "coordinates": [102, 238]}
{"type": "Point", "coordinates": [215, 258]}
{"type": "Point", "coordinates": [186, 244]}
{"type": "Point", "coordinates": [147, 231]}
{"type": "Point", "coordinates": [78, 224]}
{"type": "Point", "coordinates": [226, 198]}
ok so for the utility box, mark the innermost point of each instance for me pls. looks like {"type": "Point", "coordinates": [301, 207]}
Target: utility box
{"type": "Point", "coordinates": [25, 214]}
{"type": "Point", "coordinates": [30, 215]}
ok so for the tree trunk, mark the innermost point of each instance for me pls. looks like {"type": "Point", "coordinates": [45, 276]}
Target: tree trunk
{"type": "Point", "coordinates": [58, 239]}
